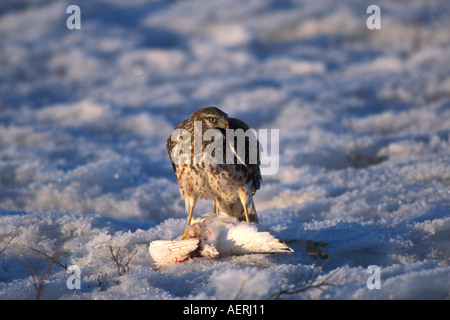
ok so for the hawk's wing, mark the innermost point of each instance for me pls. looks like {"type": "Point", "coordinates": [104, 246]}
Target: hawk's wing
{"type": "Point", "coordinates": [252, 168]}
{"type": "Point", "coordinates": [171, 144]}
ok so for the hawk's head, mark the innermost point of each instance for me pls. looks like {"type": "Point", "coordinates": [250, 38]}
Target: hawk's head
{"type": "Point", "coordinates": [212, 118]}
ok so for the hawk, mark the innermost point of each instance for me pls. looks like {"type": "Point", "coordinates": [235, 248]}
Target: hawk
{"type": "Point", "coordinates": [231, 186]}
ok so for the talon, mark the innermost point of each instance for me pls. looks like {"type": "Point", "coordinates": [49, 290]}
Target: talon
{"type": "Point", "coordinates": [185, 235]}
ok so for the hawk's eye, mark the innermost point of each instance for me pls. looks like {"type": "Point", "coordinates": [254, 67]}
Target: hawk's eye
{"type": "Point", "coordinates": [213, 120]}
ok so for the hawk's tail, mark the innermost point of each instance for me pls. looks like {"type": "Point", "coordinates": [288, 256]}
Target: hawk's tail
{"type": "Point", "coordinates": [235, 209]}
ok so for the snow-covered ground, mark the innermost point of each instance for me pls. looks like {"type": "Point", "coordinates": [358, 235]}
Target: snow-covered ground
{"type": "Point", "coordinates": [364, 120]}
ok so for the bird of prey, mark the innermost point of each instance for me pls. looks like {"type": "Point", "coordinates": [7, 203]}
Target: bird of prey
{"type": "Point", "coordinates": [231, 185]}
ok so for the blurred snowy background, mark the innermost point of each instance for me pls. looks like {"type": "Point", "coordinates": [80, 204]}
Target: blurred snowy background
{"type": "Point", "coordinates": [364, 119]}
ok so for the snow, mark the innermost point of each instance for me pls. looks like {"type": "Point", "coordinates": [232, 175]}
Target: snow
{"type": "Point", "coordinates": [364, 120]}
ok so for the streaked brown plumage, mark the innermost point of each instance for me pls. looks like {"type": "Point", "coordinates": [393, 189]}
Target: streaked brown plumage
{"type": "Point", "coordinates": [230, 186]}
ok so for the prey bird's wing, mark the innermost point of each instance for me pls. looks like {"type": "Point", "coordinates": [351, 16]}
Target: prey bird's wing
{"type": "Point", "coordinates": [167, 251]}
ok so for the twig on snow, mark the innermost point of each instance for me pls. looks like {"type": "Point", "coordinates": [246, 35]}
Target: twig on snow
{"type": "Point", "coordinates": [6, 246]}
{"type": "Point", "coordinates": [118, 258]}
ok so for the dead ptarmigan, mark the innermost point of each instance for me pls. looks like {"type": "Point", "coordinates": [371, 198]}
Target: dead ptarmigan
{"type": "Point", "coordinates": [216, 235]}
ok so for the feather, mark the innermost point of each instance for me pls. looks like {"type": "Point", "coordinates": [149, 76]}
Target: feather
{"type": "Point", "coordinates": [166, 251]}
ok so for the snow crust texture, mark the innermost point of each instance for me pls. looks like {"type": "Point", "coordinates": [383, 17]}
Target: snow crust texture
{"type": "Point", "coordinates": [364, 145]}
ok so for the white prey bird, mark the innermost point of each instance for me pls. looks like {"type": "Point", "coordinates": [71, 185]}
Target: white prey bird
{"type": "Point", "coordinates": [216, 235]}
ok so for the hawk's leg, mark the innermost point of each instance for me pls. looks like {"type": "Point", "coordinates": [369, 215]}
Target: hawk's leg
{"type": "Point", "coordinates": [247, 202]}
{"type": "Point", "coordinates": [190, 204]}
{"type": "Point", "coordinates": [215, 207]}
